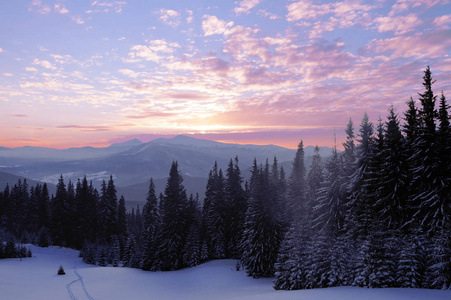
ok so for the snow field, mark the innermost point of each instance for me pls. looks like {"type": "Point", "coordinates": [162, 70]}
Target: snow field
{"type": "Point", "coordinates": [36, 278]}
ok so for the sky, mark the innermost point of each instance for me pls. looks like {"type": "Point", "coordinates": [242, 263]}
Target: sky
{"type": "Point", "coordinates": [77, 73]}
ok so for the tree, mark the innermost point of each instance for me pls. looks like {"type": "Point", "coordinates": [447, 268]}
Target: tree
{"type": "Point", "coordinates": [393, 184]}
{"type": "Point", "coordinates": [60, 215]}
{"type": "Point", "coordinates": [173, 222]}
{"type": "Point", "coordinates": [108, 210]}
{"type": "Point", "coordinates": [262, 229]}
{"type": "Point", "coordinates": [237, 204]}
{"type": "Point", "coordinates": [297, 187]}
{"type": "Point", "coordinates": [427, 183]}
{"type": "Point", "coordinates": [151, 223]}
{"type": "Point", "coordinates": [216, 214]}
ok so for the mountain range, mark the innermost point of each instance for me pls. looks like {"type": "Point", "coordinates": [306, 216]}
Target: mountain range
{"type": "Point", "coordinates": [133, 163]}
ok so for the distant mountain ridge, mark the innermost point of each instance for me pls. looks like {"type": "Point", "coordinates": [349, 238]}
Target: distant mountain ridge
{"type": "Point", "coordinates": [133, 163]}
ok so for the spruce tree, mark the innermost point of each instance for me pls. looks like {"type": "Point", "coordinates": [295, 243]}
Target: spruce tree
{"type": "Point", "coordinates": [173, 222]}
{"type": "Point", "coordinates": [60, 215]}
{"type": "Point", "coordinates": [429, 189]}
{"type": "Point", "coordinates": [193, 247]}
{"type": "Point", "coordinates": [393, 185]}
{"type": "Point", "coordinates": [262, 229]}
{"type": "Point", "coordinates": [297, 187]}
{"type": "Point", "coordinates": [151, 223]}
{"type": "Point", "coordinates": [237, 205]}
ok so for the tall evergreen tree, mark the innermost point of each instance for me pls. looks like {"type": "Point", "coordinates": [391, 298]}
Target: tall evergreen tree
{"type": "Point", "coordinates": [262, 229]}
{"type": "Point", "coordinates": [237, 204]}
{"type": "Point", "coordinates": [425, 161]}
{"type": "Point", "coordinates": [173, 223]}
{"type": "Point", "coordinates": [297, 187]}
{"type": "Point", "coordinates": [60, 215]}
{"type": "Point", "coordinates": [393, 186]}
{"type": "Point", "coordinates": [151, 222]}
{"type": "Point", "coordinates": [108, 210]}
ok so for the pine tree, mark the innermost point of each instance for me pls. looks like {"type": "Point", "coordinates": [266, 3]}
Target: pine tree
{"type": "Point", "coordinates": [60, 215]}
{"type": "Point", "coordinates": [173, 223]}
{"type": "Point", "coordinates": [43, 207]}
{"type": "Point", "coordinates": [393, 183]}
{"type": "Point", "coordinates": [216, 215]}
{"type": "Point", "coordinates": [297, 187]}
{"type": "Point", "coordinates": [121, 223]}
{"type": "Point", "coordinates": [315, 175]}
{"type": "Point", "coordinates": [151, 222]}
{"type": "Point", "coordinates": [108, 210]}
{"type": "Point", "coordinates": [237, 204]}
{"type": "Point", "coordinates": [360, 187]}
{"type": "Point", "coordinates": [262, 229]}
{"type": "Point", "coordinates": [193, 247]}
{"type": "Point", "coordinates": [427, 182]}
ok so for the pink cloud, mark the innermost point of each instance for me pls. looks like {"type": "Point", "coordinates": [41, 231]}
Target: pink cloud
{"type": "Point", "coordinates": [87, 128]}
{"type": "Point", "coordinates": [186, 96]}
{"type": "Point", "coordinates": [442, 21]}
{"type": "Point", "coordinates": [305, 9]}
{"type": "Point", "coordinates": [60, 8]}
{"type": "Point", "coordinates": [78, 20]}
{"type": "Point", "coordinates": [342, 15]}
{"type": "Point", "coordinates": [428, 45]}
{"type": "Point", "coordinates": [265, 14]}
{"type": "Point", "coordinates": [246, 6]}
{"type": "Point", "coordinates": [169, 17]}
{"type": "Point", "coordinates": [43, 63]}
{"type": "Point", "coordinates": [399, 24]}
{"type": "Point", "coordinates": [148, 114]}
{"type": "Point", "coordinates": [211, 25]}
{"type": "Point", "coordinates": [243, 43]}
{"type": "Point", "coordinates": [40, 8]}
{"type": "Point", "coordinates": [106, 6]}
{"type": "Point", "coordinates": [156, 51]}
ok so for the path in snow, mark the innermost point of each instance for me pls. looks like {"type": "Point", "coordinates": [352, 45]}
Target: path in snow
{"type": "Point", "coordinates": [80, 279]}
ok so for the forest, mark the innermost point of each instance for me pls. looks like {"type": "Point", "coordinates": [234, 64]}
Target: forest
{"type": "Point", "coordinates": [376, 214]}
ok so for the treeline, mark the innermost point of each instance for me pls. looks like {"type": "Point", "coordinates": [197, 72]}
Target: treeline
{"type": "Point", "coordinates": [375, 215]}
{"type": "Point", "coordinates": [76, 214]}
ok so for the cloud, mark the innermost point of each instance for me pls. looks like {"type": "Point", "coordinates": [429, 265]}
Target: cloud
{"type": "Point", "coordinates": [212, 25]}
{"type": "Point", "coordinates": [106, 6]}
{"type": "Point", "coordinates": [344, 14]}
{"type": "Point", "coordinates": [8, 74]}
{"type": "Point", "coordinates": [265, 14]}
{"type": "Point", "coordinates": [169, 17]}
{"type": "Point", "coordinates": [155, 52]}
{"type": "Point", "coordinates": [404, 5]}
{"type": "Point", "coordinates": [246, 6]}
{"type": "Point", "coordinates": [442, 21]}
{"type": "Point", "coordinates": [305, 9]}
{"type": "Point", "coordinates": [78, 20]}
{"type": "Point", "coordinates": [60, 8]}
{"type": "Point", "coordinates": [83, 128]}
{"type": "Point", "coordinates": [43, 9]}
{"type": "Point", "coordinates": [1, 50]}
{"type": "Point", "coordinates": [30, 69]}
{"type": "Point", "coordinates": [425, 45]}
{"type": "Point", "coordinates": [189, 19]}
{"type": "Point", "coordinates": [20, 116]}
{"type": "Point", "coordinates": [399, 24]}
{"type": "Point", "coordinates": [43, 63]}
{"type": "Point", "coordinates": [186, 96]}
{"type": "Point", "coordinates": [128, 72]}
{"type": "Point", "coordinates": [148, 114]}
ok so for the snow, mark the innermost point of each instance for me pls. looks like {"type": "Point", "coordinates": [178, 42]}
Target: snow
{"type": "Point", "coordinates": [36, 278]}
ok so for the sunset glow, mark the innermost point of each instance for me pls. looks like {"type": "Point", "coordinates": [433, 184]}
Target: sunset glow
{"type": "Point", "coordinates": [91, 73]}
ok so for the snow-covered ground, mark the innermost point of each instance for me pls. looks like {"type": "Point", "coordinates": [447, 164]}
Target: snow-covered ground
{"type": "Point", "coordinates": [36, 278]}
